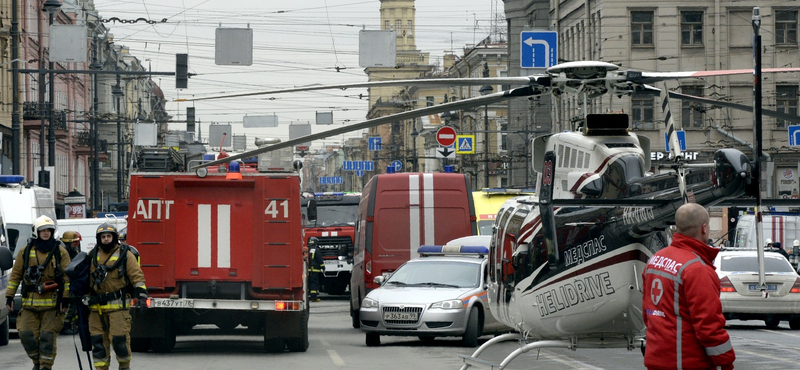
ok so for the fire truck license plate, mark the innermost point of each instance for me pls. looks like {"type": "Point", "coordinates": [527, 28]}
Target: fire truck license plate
{"type": "Point", "coordinates": [331, 264]}
{"type": "Point", "coordinates": [413, 316]}
{"type": "Point", "coordinates": [178, 303]}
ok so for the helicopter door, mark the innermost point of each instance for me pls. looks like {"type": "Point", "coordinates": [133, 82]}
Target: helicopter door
{"type": "Point", "coordinates": [496, 256]}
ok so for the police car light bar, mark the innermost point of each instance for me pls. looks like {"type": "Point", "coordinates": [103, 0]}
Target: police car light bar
{"type": "Point", "coordinates": [11, 179]}
{"type": "Point", "coordinates": [452, 249]}
{"type": "Point", "coordinates": [330, 195]}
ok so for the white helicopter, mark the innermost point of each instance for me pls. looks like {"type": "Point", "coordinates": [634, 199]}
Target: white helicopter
{"type": "Point", "coordinates": [566, 264]}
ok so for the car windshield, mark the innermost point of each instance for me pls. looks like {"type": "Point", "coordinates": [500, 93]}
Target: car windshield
{"type": "Point", "coordinates": [437, 273]}
{"type": "Point", "coordinates": [329, 215]}
{"type": "Point", "coordinates": [750, 264]}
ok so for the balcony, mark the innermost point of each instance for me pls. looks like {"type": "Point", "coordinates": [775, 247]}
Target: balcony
{"type": "Point", "coordinates": [60, 122]}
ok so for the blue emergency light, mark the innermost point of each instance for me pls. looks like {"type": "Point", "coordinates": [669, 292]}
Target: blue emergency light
{"type": "Point", "coordinates": [11, 179]}
{"type": "Point", "coordinates": [452, 249]}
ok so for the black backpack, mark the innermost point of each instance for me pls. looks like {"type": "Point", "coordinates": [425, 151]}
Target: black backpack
{"type": "Point", "coordinates": [78, 272]}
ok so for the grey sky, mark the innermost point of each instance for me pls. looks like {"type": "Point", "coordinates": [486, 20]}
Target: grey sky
{"type": "Point", "coordinates": [295, 43]}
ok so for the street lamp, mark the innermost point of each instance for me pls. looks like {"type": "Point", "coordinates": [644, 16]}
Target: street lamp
{"type": "Point", "coordinates": [414, 135]}
{"type": "Point", "coordinates": [51, 7]}
{"type": "Point", "coordinates": [117, 92]}
{"type": "Point", "coordinates": [486, 89]}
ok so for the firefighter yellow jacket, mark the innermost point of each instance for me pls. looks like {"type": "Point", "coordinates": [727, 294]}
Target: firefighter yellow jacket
{"type": "Point", "coordinates": [34, 300]}
{"type": "Point", "coordinates": [114, 282]}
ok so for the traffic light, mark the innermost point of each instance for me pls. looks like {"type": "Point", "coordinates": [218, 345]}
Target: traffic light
{"type": "Point", "coordinates": [181, 71]}
{"type": "Point", "coordinates": [190, 119]}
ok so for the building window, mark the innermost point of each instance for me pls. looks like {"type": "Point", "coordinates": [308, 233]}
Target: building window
{"type": "Point", "coordinates": [642, 28]}
{"type": "Point", "coordinates": [692, 113]}
{"type": "Point", "coordinates": [786, 102]}
{"type": "Point", "coordinates": [386, 25]}
{"type": "Point", "coordinates": [691, 28]}
{"type": "Point", "coordinates": [786, 27]}
{"type": "Point", "coordinates": [409, 25]}
{"type": "Point", "coordinates": [429, 101]}
{"type": "Point", "coordinates": [642, 108]}
{"type": "Point", "coordinates": [398, 25]}
{"type": "Point", "coordinates": [504, 136]}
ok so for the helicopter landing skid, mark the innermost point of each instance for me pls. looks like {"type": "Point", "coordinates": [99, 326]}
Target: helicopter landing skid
{"type": "Point", "coordinates": [573, 343]}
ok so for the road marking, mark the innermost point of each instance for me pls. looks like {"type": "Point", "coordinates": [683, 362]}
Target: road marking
{"type": "Point", "coordinates": [571, 363]}
{"type": "Point", "coordinates": [779, 332]}
{"type": "Point", "coordinates": [335, 357]}
{"type": "Point", "coordinates": [769, 357]}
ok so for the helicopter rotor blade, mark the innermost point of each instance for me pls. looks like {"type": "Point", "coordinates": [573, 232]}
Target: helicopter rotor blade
{"type": "Point", "coordinates": [533, 80]}
{"type": "Point", "coordinates": [742, 107]}
{"type": "Point", "coordinates": [652, 77]}
{"type": "Point", "coordinates": [456, 105]}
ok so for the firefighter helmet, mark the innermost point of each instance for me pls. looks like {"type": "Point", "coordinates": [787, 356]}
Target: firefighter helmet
{"type": "Point", "coordinates": [43, 223]}
{"type": "Point", "coordinates": [106, 228]}
{"type": "Point", "coordinates": [123, 235]}
{"type": "Point", "coordinates": [71, 236]}
{"type": "Point", "coordinates": [312, 241]}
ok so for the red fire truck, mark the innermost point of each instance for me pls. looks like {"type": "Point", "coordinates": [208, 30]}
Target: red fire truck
{"type": "Point", "coordinates": [334, 229]}
{"type": "Point", "coordinates": [219, 250]}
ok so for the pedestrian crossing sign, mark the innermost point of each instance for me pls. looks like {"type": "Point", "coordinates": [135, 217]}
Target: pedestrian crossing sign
{"type": "Point", "coordinates": [465, 144]}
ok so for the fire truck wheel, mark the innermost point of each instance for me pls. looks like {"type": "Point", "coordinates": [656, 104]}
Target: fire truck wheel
{"type": "Point", "coordinates": [274, 345]}
{"type": "Point", "coordinates": [354, 316]}
{"type": "Point", "coordinates": [140, 344]}
{"type": "Point", "coordinates": [166, 343]}
{"type": "Point", "coordinates": [300, 344]}
{"type": "Point", "coordinates": [227, 325]}
{"type": "Point", "coordinates": [772, 322]}
{"type": "Point", "coordinates": [373, 340]}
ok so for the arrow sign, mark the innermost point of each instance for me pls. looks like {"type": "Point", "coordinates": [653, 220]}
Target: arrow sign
{"type": "Point", "coordinates": [446, 136]}
{"type": "Point", "coordinates": [538, 49]}
{"type": "Point", "coordinates": [445, 152]}
{"type": "Point", "coordinates": [794, 135]}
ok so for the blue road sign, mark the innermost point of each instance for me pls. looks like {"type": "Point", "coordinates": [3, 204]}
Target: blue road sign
{"type": "Point", "coordinates": [359, 173]}
{"type": "Point", "coordinates": [375, 143]}
{"type": "Point", "coordinates": [794, 135]}
{"type": "Point", "coordinates": [397, 165]}
{"type": "Point", "coordinates": [369, 166]}
{"type": "Point", "coordinates": [331, 180]}
{"type": "Point", "coordinates": [538, 49]}
{"type": "Point", "coordinates": [681, 140]}
{"type": "Point", "coordinates": [465, 144]}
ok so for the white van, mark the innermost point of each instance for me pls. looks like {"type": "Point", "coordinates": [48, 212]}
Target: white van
{"type": "Point", "coordinates": [779, 227]}
{"type": "Point", "coordinates": [87, 228]}
{"type": "Point", "coordinates": [22, 204]}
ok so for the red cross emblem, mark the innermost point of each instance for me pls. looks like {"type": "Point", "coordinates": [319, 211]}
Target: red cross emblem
{"type": "Point", "coordinates": [656, 291]}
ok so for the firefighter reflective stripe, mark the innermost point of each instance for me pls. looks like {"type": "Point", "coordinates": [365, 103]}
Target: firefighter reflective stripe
{"type": "Point", "coordinates": [415, 221]}
{"type": "Point", "coordinates": [13, 284]}
{"type": "Point", "coordinates": [678, 318]}
{"type": "Point", "coordinates": [140, 285]}
{"type": "Point", "coordinates": [720, 349]}
{"type": "Point", "coordinates": [110, 306]}
{"type": "Point", "coordinates": [223, 235]}
{"type": "Point", "coordinates": [204, 235]}
{"type": "Point", "coordinates": [38, 302]}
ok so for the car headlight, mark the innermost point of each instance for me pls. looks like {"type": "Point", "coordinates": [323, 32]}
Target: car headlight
{"type": "Point", "coordinates": [448, 305]}
{"type": "Point", "coordinates": [369, 303]}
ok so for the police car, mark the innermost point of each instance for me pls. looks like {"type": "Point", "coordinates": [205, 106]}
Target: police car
{"type": "Point", "coordinates": [440, 294]}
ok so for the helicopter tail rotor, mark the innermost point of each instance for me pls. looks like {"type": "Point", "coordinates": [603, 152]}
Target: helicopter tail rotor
{"type": "Point", "coordinates": [674, 144]}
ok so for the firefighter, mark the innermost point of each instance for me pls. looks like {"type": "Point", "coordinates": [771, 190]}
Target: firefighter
{"type": "Point", "coordinates": [45, 292]}
{"type": "Point", "coordinates": [114, 277]}
{"type": "Point", "coordinates": [72, 240]}
{"type": "Point", "coordinates": [316, 265]}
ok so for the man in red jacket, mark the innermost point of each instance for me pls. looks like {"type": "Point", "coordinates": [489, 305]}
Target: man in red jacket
{"type": "Point", "coordinates": [689, 333]}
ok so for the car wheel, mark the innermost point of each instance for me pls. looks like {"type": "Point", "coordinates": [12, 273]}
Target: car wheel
{"type": "Point", "coordinates": [470, 338]}
{"type": "Point", "coordinates": [274, 345]}
{"type": "Point", "coordinates": [772, 323]}
{"type": "Point", "coordinates": [373, 340]}
{"type": "Point", "coordinates": [354, 316]}
{"type": "Point", "coordinates": [794, 323]}
{"type": "Point", "coordinates": [4, 332]}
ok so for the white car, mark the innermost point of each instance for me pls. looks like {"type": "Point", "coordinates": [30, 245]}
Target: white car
{"type": "Point", "coordinates": [442, 294]}
{"type": "Point", "coordinates": [741, 295]}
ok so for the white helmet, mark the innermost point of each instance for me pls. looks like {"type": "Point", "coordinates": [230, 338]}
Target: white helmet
{"type": "Point", "coordinates": [796, 243]}
{"type": "Point", "coordinates": [42, 223]}
{"type": "Point", "coordinates": [769, 241]}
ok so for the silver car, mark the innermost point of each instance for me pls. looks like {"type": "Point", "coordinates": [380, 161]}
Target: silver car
{"type": "Point", "coordinates": [741, 295]}
{"type": "Point", "coordinates": [437, 295]}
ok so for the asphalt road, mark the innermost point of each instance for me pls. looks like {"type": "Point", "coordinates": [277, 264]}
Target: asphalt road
{"type": "Point", "coordinates": [335, 344]}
